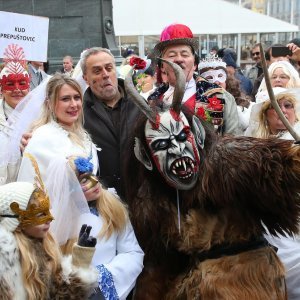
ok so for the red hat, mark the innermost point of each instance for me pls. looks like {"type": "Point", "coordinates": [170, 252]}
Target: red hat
{"type": "Point", "coordinates": [176, 34]}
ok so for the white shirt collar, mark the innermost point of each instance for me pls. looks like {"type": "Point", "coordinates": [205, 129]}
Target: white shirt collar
{"type": "Point", "coordinates": [190, 90]}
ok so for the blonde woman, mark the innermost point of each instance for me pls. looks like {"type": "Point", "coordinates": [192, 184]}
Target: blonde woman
{"type": "Point", "coordinates": [58, 137]}
{"type": "Point", "coordinates": [269, 123]}
{"type": "Point", "coordinates": [282, 74]}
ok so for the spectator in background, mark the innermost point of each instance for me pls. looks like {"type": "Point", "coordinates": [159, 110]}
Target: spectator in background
{"type": "Point", "coordinates": [255, 71]}
{"type": "Point", "coordinates": [68, 65]}
{"type": "Point", "coordinates": [295, 63]}
{"type": "Point", "coordinates": [229, 56]}
{"type": "Point", "coordinates": [214, 50]}
{"type": "Point", "coordinates": [264, 121]}
{"type": "Point", "coordinates": [269, 60]}
{"type": "Point", "coordinates": [37, 75]}
{"type": "Point", "coordinates": [45, 66]}
{"type": "Point", "coordinates": [295, 52]}
{"type": "Point", "coordinates": [145, 80]}
{"type": "Point", "coordinates": [282, 74]}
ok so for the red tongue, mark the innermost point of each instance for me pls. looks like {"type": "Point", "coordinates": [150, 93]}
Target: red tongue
{"type": "Point", "coordinates": [181, 171]}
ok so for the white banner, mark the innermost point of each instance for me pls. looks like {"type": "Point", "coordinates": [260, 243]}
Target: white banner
{"type": "Point", "coordinates": [29, 32]}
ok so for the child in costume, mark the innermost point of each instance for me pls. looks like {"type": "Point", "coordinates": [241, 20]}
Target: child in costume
{"type": "Point", "coordinates": [31, 265]}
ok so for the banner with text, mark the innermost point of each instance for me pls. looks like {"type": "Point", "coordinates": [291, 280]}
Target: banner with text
{"type": "Point", "coordinates": [29, 32]}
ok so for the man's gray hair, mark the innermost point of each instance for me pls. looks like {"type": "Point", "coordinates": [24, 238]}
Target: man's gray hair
{"type": "Point", "coordinates": [92, 51]}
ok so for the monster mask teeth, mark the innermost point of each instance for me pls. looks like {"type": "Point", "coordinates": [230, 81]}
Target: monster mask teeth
{"type": "Point", "coordinates": [184, 165]}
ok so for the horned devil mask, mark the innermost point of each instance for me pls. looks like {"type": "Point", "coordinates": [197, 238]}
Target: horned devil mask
{"type": "Point", "coordinates": [172, 142]}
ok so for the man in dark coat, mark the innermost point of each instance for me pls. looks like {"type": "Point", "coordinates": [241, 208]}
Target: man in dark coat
{"type": "Point", "coordinates": [108, 115]}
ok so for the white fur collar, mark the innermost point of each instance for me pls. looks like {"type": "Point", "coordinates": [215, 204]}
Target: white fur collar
{"type": "Point", "coordinates": [10, 269]}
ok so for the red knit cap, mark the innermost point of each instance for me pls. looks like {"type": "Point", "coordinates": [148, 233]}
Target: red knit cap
{"type": "Point", "coordinates": [176, 34]}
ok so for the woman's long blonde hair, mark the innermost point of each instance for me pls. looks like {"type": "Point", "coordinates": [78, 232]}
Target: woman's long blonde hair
{"type": "Point", "coordinates": [114, 216]}
{"type": "Point", "coordinates": [113, 212]}
{"type": "Point", "coordinates": [35, 286]}
{"type": "Point", "coordinates": [263, 130]}
{"type": "Point", "coordinates": [77, 132]}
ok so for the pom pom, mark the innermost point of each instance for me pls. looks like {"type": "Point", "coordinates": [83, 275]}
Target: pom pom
{"type": "Point", "coordinates": [83, 165]}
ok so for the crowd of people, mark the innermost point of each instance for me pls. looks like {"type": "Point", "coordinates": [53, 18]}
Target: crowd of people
{"type": "Point", "coordinates": [74, 220]}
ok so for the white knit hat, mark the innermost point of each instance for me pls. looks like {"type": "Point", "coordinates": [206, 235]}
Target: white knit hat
{"type": "Point", "coordinates": [19, 192]}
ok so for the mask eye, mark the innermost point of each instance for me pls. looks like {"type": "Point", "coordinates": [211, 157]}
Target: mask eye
{"type": "Point", "coordinates": [182, 136]}
{"type": "Point", "coordinates": [160, 145]}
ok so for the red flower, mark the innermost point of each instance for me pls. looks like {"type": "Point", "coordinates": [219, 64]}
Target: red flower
{"type": "Point", "coordinates": [215, 104]}
{"type": "Point", "coordinates": [201, 113]}
{"type": "Point", "coordinates": [138, 63]}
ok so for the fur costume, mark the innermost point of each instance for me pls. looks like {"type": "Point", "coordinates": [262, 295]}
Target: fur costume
{"type": "Point", "coordinates": [69, 283]}
{"type": "Point", "coordinates": [215, 249]}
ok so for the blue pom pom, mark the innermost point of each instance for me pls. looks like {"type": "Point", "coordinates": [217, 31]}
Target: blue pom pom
{"type": "Point", "coordinates": [83, 165]}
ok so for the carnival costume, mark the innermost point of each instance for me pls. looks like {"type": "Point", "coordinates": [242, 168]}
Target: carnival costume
{"type": "Point", "coordinates": [205, 99]}
{"type": "Point", "coordinates": [215, 69]}
{"type": "Point", "coordinates": [198, 203]}
{"type": "Point", "coordinates": [73, 278]}
{"type": "Point", "coordinates": [118, 259]}
{"type": "Point", "coordinates": [13, 76]}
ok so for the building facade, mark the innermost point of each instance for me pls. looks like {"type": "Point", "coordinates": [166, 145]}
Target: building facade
{"type": "Point", "coordinates": [74, 25]}
{"type": "Point", "coordinates": [285, 10]}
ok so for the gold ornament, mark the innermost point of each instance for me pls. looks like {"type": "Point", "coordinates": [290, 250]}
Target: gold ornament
{"type": "Point", "coordinates": [38, 212]}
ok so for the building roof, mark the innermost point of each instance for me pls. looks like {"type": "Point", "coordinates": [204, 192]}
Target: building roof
{"type": "Point", "coordinates": [141, 17]}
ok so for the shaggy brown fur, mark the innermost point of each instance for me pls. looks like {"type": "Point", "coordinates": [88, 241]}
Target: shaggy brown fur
{"type": "Point", "coordinates": [243, 182]}
{"type": "Point", "coordinates": [58, 287]}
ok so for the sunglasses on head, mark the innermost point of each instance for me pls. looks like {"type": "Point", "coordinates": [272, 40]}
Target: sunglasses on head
{"type": "Point", "coordinates": [255, 53]}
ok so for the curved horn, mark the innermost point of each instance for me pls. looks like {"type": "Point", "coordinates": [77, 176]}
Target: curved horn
{"type": "Point", "coordinates": [179, 87]}
{"type": "Point", "coordinates": [139, 101]}
{"type": "Point", "coordinates": [273, 100]}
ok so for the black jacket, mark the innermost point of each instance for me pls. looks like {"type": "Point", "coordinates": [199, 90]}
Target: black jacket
{"type": "Point", "coordinates": [99, 125]}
